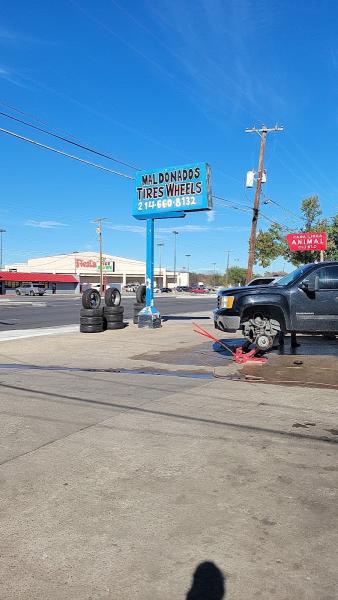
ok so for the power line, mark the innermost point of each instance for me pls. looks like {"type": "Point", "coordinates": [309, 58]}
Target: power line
{"type": "Point", "coordinates": [268, 200]}
{"type": "Point", "coordinates": [82, 160]}
{"type": "Point", "coordinates": [69, 141]}
{"type": "Point", "coordinates": [235, 205]}
{"type": "Point", "coordinates": [240, 206]}
{"type": "Point", "coordinates": [35, 118]}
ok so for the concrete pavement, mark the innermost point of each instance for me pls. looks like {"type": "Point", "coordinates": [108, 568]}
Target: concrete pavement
{"type": "Point", "coordinates": [117, 485]}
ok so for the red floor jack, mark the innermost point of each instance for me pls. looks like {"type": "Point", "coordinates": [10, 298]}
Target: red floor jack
{"type": "Point", "coordinates": [238, 355]}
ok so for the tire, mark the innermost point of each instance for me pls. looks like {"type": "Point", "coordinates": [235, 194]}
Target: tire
{"type": "Point", "coordinates": [91, 299]}
{"type": "Point", "coordinates": [91, 312]}
{"type": "Point", "coordinates": [141, 294]}
{"type": "Point", "coordinates": [17, 292]}
{"type": "Point", "coordinates": [120, 325]}
{"type": "Point", "coordinates": [112, 297]}
{"type": "Point", "coordinates": [91, 320]}
{"type": "Point", "coordinates": [113, 310]}
{"type": "Point", "coordinates": [114, 318]}
{"type": "Point", "coordinates": [91, 328]}
{"type": "Point", "coordinates": [138, 307]}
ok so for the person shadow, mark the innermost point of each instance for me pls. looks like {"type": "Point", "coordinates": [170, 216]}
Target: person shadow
{"type": "Point", "coordinates": [208, 583]}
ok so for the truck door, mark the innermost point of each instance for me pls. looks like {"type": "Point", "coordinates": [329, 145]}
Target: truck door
{"type": "Point", "coordinates": [314, 302]}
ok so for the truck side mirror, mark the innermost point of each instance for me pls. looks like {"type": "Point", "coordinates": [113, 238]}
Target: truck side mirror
{"type": "Point", "coordinates": [309, 286]}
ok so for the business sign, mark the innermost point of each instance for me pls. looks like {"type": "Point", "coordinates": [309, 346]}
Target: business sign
{"type": "Point", "coordinates": [172, 191]}
{"type": "Point", "coordinates": [301, 242]}
{"type": "Point", "coordinates": [94, 265]}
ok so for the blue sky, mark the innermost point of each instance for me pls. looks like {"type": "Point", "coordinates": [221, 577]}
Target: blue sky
{"type": "Point", "coordinates": [156, 84]}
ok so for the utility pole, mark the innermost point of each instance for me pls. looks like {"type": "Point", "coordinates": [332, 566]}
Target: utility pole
{"type": "Point", "coordinates": [175, 235]}
{"type": "Point", "coordinates": [262, 132]}
{"type": "Point", "coordinates": [227, 269]}
{"type": "Point", "coordinates": [99, 222]}
{"type": "Point", "coordinates": [1, 232]}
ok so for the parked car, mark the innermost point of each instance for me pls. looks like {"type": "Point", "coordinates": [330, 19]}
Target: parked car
{"type": "Point", "coordinates": [304, 301]}
{"type": "Point", "coordinates": [200, 290]}
{"type": "Point", "coordinates": [183, 288]}
{"type": "Point", "coordinates": [262, 280]}
{"type": "Point", "coordinates": [165, 290]}
{"type": "Point", "coordinates": [30, 289]}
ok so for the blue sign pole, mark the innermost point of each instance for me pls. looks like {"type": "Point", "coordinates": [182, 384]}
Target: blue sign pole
{"type": "Point", "coordinates": [150, 264]}
{"type": "Point", "coordinates": [149, 317]}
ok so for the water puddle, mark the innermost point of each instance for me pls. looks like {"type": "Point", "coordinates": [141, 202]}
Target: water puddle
{"type": "Point", "coordinates": [311, 371]}
{"type": "Point", "coordinates": [144, 371]}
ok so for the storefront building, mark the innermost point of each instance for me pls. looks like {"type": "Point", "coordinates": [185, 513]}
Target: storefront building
{"type": "Point", "coordinates": [61, 283]}
{"type": "Point", "coordinates": [84, 267]}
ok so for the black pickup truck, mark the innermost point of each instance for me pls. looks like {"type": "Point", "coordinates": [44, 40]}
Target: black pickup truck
{"type": "Point", "coordinates": [304, 301]}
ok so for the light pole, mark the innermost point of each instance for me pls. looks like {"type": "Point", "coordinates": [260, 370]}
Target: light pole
{"type": "Point", "coordinates": [160, 246]}
{"type": "Point", "coordinates": [214, 274]}
{"type": "Point", "coordinates": [99, 222]}
{"type": "Point", "coordinates": [188, 257]}
{"type": "Point", "coordinates": [227, 270]}
{"type": "Point", "coordinates": [175, 234]}
{"type": "Point", "coordinates": [1, 232]}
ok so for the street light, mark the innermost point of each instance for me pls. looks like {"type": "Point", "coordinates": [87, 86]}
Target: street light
{"type": "Point", "coordinates": [175, 234]}
{"type": "Point", "coordinates": [1, 232]}
{"type": "Point", "coordinates": [99, 222]}
{"type": "Point", "coordinates": [227, 270]}
{"type": "Point", "coordinates": [214, 273]}
{"type": "Point", "coordinates": [160, 246]}
{"type": "Point", "coordinates": [188, 256]}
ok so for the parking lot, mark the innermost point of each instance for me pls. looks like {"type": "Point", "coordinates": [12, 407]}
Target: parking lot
{"type": "Point", "coordinates": [127, 463]}
{"type": "Point", "coordinates": [23, 312]}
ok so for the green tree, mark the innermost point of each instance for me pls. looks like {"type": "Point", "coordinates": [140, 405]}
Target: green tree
{"type": "Point", "coordinates": [272, 243]}
{"type": "Point", "coordinates": [236, 276]}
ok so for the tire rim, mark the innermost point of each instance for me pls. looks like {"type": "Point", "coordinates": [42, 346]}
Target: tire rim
{"type": "Point", "coordinates": [94, 300]}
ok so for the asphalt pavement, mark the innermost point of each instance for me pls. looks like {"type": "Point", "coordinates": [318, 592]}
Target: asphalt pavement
{"type": "Point", "coordinates": [18, 312]}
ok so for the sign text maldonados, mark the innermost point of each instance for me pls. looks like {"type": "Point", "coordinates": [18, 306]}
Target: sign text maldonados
{"type": "Point", "coordinates": [175, 189]}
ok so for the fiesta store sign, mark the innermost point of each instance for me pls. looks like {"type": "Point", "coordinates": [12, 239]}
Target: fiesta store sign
{"type": "Point", "coordinates": [94, 265]}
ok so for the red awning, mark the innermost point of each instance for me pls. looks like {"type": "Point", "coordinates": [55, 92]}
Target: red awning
{"type": "Point", "coordinates": [49, 277]}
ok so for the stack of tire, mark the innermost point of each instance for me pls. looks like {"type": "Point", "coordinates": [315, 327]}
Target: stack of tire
{"type": "Point", "coordinates": [140, 302]}
{"type": "Point", "coordinates": [113, 311]}
{"type": "Point", "coordinates": [91, 315]}
{"type": "Point", "coordinates": [94, 318]}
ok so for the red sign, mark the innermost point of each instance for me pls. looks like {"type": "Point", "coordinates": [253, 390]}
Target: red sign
{"type": "Point", "coordinates": [86, 264]}
{"type": "Point", "coordinates": [307, 241]}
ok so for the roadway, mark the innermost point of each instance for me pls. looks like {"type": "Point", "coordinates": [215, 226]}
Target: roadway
{"type": "Point", "coordinates": [23, 312]}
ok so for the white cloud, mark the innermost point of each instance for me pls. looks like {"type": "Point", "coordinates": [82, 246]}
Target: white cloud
{"type": "Point", "coordinates": [128, 228]}
{"type": "Point", "coordinates": [183, 229]}
{"type": "Point", "coordinates": [231, 228]}
{"type": "Point", "coordinates": [210, 216]}
{"type": "Point", "coordinates": [160, 232]}
{"type": "Point", "coordinates": [45, 224]}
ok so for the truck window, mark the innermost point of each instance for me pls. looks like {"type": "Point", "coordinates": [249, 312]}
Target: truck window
{"type": "Point", "coordinates": [328, 278]}
{"type": "Point", "coordinates": [291, 277]}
